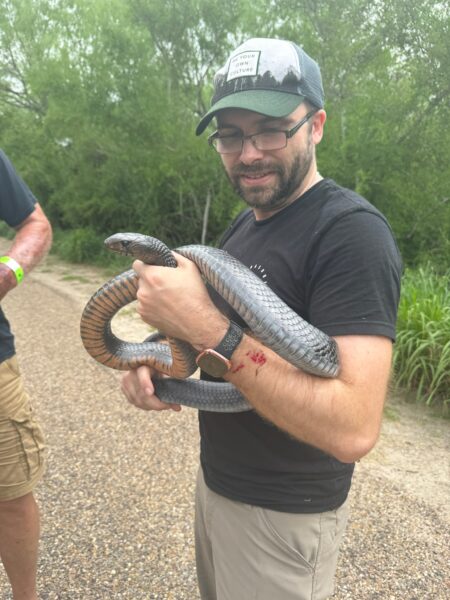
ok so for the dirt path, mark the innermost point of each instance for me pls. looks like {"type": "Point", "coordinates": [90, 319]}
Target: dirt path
{"type": "Point", "coordinates": [117, 496]}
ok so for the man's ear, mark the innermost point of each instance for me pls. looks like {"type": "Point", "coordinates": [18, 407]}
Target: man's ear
{"type": "Point", "coordinates": [318, 122]}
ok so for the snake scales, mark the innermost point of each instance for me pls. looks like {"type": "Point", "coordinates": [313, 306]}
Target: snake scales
{"type": "Point", "coordinates": [269, 319]}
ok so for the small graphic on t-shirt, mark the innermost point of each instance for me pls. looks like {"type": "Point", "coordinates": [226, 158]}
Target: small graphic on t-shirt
{"type": "Point", "coordinates": [260, 271]}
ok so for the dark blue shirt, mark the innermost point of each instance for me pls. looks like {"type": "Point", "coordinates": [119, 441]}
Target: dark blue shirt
{"type": "Point", "coordinates": [16, 204]}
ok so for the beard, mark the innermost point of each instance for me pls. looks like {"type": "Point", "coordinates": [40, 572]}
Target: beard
{"type": "Point", "coordinates": [290, 179]}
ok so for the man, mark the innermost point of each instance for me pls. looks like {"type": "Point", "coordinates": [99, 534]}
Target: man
{"type": "Point", "coordinates": [271, 504]}
{"type": "Point", "coordinates": [21, 441]}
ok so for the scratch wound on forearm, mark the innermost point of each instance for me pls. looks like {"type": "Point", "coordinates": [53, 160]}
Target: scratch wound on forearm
{"type": "Point", "coordinates": [258, 358]}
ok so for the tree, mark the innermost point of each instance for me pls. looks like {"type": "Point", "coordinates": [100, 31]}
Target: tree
{"type": "Point", "coordinates": [99, 102]}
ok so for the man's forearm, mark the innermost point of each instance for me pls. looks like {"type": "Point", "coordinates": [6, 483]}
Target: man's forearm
{"type": "Point", "coordinates": [32, 240]}
{"type": "Point", "coordinates": [341, 416]}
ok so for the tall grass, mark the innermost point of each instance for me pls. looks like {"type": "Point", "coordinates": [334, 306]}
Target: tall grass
{"type": "Point", "coordinates": [422, 350]}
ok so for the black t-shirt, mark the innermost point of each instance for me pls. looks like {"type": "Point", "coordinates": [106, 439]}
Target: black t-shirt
{"type": "Point", "coordinates": [16, 204]}
{"type": "Point", "coordinates": [332, 258]}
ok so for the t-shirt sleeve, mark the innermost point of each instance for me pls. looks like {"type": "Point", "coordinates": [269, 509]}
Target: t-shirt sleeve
{"type": "Point", "coordinates": [355, 272]}
{"type": "Point", "coordinates": [16, 199]}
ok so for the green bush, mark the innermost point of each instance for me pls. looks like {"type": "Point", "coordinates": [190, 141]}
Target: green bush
{"type": "Point", "coordinates": [422, 350]}
{"type": "Point", "coordinates": [84, 245]}
{"type": "Point", "coordinates": [79, 245]}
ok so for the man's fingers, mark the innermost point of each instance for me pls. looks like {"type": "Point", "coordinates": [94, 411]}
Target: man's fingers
{"type": "Point", "coordinates": [144, 376]}
{"type": "Point", "coordinates": [137, 387]}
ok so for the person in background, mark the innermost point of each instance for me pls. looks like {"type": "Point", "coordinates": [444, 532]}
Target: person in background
{"type": "Point", "coordinates": [21, 440]}
{"type": "Point", "coordinates": [272, 489]}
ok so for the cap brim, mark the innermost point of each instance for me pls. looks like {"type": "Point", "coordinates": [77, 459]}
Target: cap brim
{"type": "Point", "coordinates": [267, 102]}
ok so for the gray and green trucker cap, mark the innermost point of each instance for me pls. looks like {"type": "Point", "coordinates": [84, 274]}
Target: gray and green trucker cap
{"type": "Point", "coordinates": [267, 76]}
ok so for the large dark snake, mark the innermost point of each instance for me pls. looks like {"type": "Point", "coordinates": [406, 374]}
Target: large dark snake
{"type": "Point", "coordinates": [268, 318]}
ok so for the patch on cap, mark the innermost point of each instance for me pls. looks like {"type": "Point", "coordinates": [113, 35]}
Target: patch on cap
{"type": "Point", "coordinates": [244, 64]}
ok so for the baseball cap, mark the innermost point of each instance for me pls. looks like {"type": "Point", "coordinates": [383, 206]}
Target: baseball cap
{"type": "Point", "coordinates": [267, 76]}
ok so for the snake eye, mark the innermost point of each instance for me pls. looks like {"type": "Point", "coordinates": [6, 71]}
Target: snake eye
{"type": "Point", "coordinates": [126, 245]}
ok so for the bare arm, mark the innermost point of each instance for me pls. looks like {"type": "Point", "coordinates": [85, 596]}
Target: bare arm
{"type": "Point", "coordinates": [32, 241]}
{"type": "Point", "coordinates": [341, 416]}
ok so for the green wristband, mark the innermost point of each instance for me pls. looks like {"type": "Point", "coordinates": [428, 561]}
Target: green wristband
{"type": "Point", "coordinates": [14, 266]}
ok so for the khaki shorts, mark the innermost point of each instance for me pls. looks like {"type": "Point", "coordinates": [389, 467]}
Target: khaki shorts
{"type": "Point", "coordinates": [21, 440]}
{"type": "Point", "coordinates": [245, 552]}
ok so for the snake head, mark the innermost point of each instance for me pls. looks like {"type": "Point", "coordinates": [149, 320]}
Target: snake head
{"type": "Point", "coordinates": [148, 249]}
{"type": "Point", "coordinates": [122, 243]}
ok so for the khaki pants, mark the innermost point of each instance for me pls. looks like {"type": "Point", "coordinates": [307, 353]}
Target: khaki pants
{"type": "Point", "coordinates": [21, 441]}
{"type": "Point", "coordinates": [246, 552]}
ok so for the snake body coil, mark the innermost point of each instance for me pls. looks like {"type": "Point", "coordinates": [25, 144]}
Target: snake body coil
{"type": "Point", "coordinates": [269, 319]}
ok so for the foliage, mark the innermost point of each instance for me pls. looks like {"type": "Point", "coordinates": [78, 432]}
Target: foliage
{"type": "Point", "coordinates": [422, 349]}
{"type": "Point", "coordinates": [79, 246]}
{"type": "Point", "coordinates": [99, 101]}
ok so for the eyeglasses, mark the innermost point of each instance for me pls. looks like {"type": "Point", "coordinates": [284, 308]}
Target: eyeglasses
{"type": "Point", "coordinates": [269, 139]}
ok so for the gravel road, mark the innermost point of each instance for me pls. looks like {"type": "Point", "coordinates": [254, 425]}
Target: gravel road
{"type": "Point", "coordinates": [117, 498]}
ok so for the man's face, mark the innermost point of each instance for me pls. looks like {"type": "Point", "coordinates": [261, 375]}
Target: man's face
{"type": "Point", "coordinates": [268, 180]}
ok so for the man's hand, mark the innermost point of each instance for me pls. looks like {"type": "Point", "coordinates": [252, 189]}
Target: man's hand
{"type": "Point", "coordinates": [137, 386]}
{"type": "Point", "coordinates": [176, 302]}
